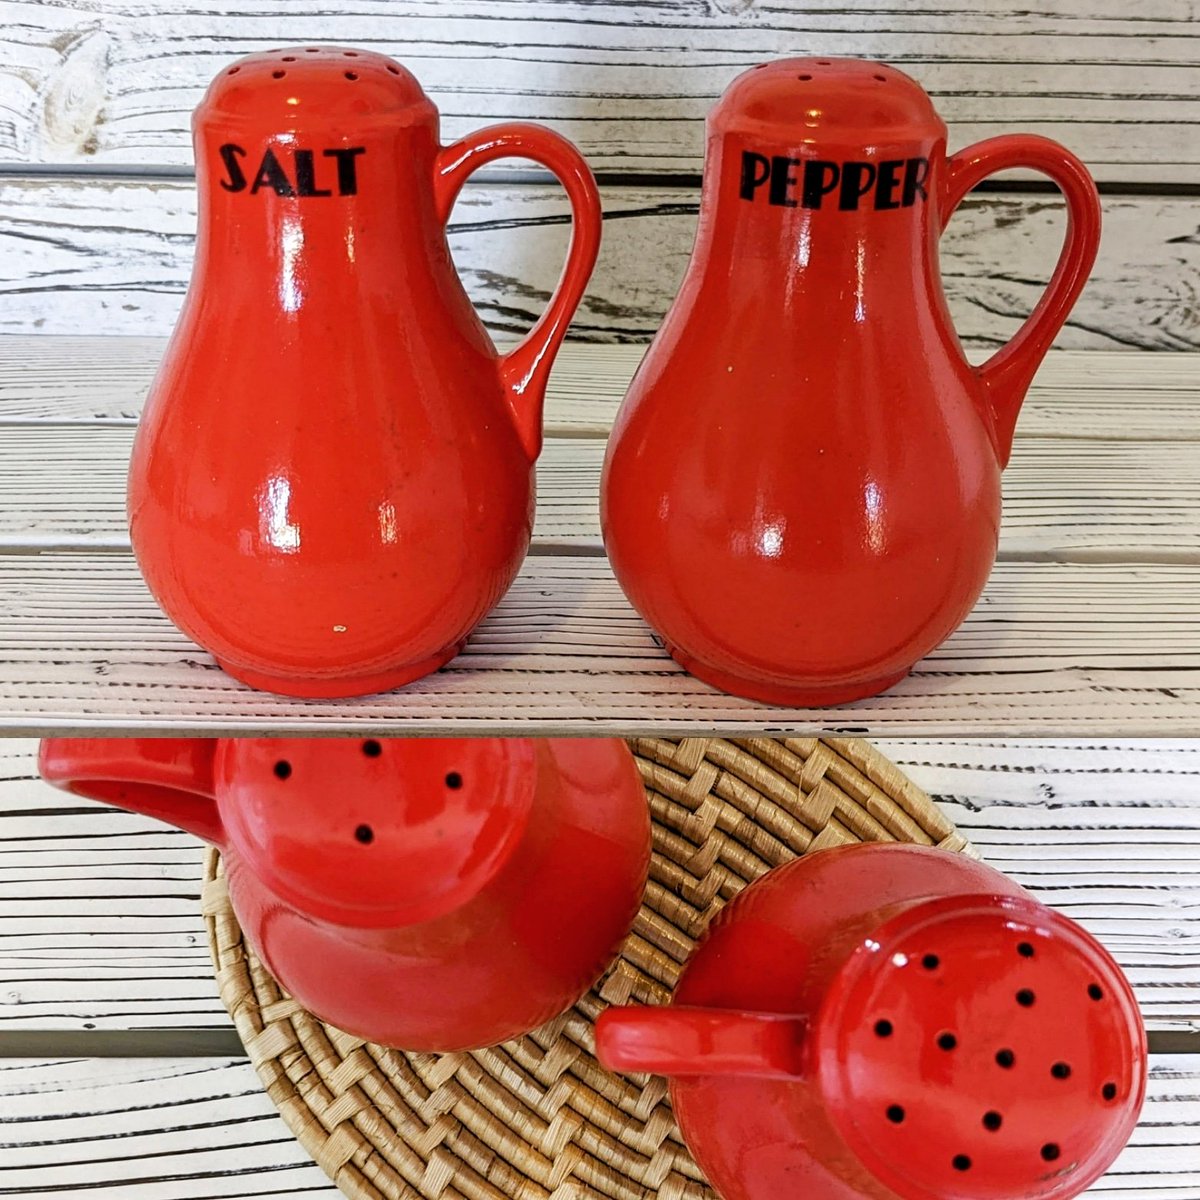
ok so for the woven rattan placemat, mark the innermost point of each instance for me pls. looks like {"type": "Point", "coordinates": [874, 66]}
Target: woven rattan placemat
{"type": "Point", "coordinates": [539, 1117]}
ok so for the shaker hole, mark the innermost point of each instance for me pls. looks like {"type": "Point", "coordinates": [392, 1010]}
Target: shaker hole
{"type": "Point", "coordinates": [372, 749]}
{"type": "Point", "coordinates": [1061, 1070]}
{"type": "Point", "coordinates": [946, 1041]}
{"type": "Point", "coordinates": [312, 50]}
{"type": "Point", "coordinates": [1025, 949]}
{"type": "Point", "coordinates": [1095, 991]}
{"type": "Point", "coordinates": [288, 58]}
{"type": "Point", "coordinates": [883, 1029]}
{"type": "Point", "coordinates": [278, 74]}
{"type": "Point", "coordinates": [394, 70]}
{"type": "Point", "coordinates": [961, 1162]}
{"type": "Point", "coordinates": [1109, 1091]}
{"type": "Point", "coordinates": [1025, 998]}
{"type": "Point", "coordinates": [350, 53]}
{"type": "Point", "coordinates": [804, 77]}
{"type": "Point", "coordinates": [824, 62]}
{"type": "Point", "coordinates": [931, 962]}
{"type": "Point", "coordinates": [992, 1120]}
{"type": "Point", "coordinates": [283, 769]}
{"type": "Point", "coordinates": [1005, 1059]}
{"type": "Point", "coordinates": [351, 75]}
{"type": "Point", "coordinates": [1051, 1151]}
{"type": "Point", "coordinates": [881, 78]}
{"type": "Point", "coordinates": [895, 1113]}
{"type": "Point", "coordinates": [364, 834]}
{"type": "Point", "coordinates": [233, 70]}
{"type": "Point", "coordinates": [454, 780]}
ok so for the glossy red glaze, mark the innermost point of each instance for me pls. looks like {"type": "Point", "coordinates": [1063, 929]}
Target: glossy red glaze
{"type": "Point", "coordinates": [332, 482]}
{"type": "Point", "coordinates": [845, 1030]}
{"type": "Point", "coordinates": [802, 490]}
{"type": "Point", "coordinates": [424, 893]}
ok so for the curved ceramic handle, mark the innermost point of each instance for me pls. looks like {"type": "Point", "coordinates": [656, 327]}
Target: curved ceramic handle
{"type": "Point", "coordinates": [170, 779]}
{"type": "Point", "coordinates": [1006, 376]}
{"type": "Point", "coordinates": [676, 1040]}
{"type": "Point", "coordinates": [526, 369]}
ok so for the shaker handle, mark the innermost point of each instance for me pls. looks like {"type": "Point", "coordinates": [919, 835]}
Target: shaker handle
{"type": "Point", "coordinates": [677, 1040]}
{"type": "Point", "coordinates": [525, 370]}
{"type": "Point", "coordinates": [1006, 376]}
{"type": "Point", "coordinates": [170, 779]}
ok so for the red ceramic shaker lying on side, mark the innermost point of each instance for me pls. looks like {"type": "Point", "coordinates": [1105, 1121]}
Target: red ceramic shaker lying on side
{"type": "Point", "coordinates": [333, 479]}
{"type": "Point", "coordinates": [892, 1022]}
{"type": "Point", "coordinates": [802, 488]}
{"type": "Point", "coordinates": [422, 893]}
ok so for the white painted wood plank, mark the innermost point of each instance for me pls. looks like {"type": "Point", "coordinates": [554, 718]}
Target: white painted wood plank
{"type": "Point", "coordinates": [99, 909]}
{"type": "Point", "coordinates": [104, 256]}
{"type": "Point", "coordinates": [630, 82]}
{"type": "Point", "coordinates": [1064, 649]}
{"type": "Point", "coordinates": [63, 486]}
{"type": "Point", "coordinates": [187, 1129]}
{"type": "Point", "coordinates": [1077, 394]}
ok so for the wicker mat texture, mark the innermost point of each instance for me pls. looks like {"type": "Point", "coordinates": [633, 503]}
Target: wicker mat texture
{"type": "Point", "coordinates": [538, 1117]}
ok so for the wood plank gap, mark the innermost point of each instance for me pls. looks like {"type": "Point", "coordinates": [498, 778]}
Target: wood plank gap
{"type": "Point", "coordinates": [225, 1043]}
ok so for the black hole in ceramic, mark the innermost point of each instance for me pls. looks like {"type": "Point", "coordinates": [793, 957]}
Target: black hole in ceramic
{"type": "Point", "coordinates": [1095, 991]}
{"type": "Point", "coordinates": [824, 62]}
{"type": "Point", "coordinates": [350, 53]}
{"type": "Point", "coordinates": [1051, 1151]}
{"type": "Point", "coordinates": [364, 834]}
{"type": "Point", "coordinates": [881, 78]}
{"type": "Point", "coordinates": [992, 1120]}
{"type": "Point", "coordinates": [278, 74]}
{"type": "Point", "coordinates": [454, 780]}
{"type": "Point", "coordinates": [288, 58]}
{"type": "Point", "coordinates": [283, 769]}
{"type": "Point", "coordinates": [372, 749]}
{"type": "Point", "coordinates": [1005, 1059]}
{"type": "Point", "coordinates": [1025, 949]}
{"type": "Point", "coordinates": [233, 70]}
{"type": "Point", "coordinates": [804, 77]}
{"type": "Point", "coordinates": [931, 962]}
{"type": "Point", "coordinates": [1061, 1070]}
{"type": "Point", "coordinates": [1109, 1091]}
{"type": "Point", "coordinates": [960, 1162]}
{"type": "Point", "coordinates": [351, 76]}
{"type": "Point", "coordinates": [946, 1041]}
{"type": "Point", "coordinates": [394, 70]}
{"type": "Point", "coordinates": [895, 1114]}
{"type": "Point", "coordinates": [1025, 998]}
{"type": "Point", "coordinates": [312, 50]}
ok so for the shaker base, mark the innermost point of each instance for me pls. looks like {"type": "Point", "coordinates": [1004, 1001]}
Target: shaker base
{"type": "Point", "coordinates": [806, 696]}
{"type": "Point", "coordinates": [344, 686]}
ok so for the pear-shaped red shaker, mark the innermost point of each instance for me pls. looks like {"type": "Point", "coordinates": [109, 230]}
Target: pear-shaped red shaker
{"type": "Point", "coordinates": [898, 1023]}
{"type": "Point", "coordinates": [802, 488]}
{"type": "Point", "coordinates": [423, 893]}
{"type": "Point", "coordinates": [333, 479]}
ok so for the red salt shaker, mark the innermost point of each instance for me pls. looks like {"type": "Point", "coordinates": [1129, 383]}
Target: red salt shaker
{"type": "Point", "coordinates": [333, 479]}
{"type": "Point", "coordinates": [890, 1022]}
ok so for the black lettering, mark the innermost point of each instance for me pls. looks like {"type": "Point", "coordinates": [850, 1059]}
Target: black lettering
{"type": "Point", "coordinates": [272, 175]}
{"type": "Point", "coordinates": [820, 178]}
{"type": "Point", "coordinates": [229, 156]}
{"type": "Point", "coordinates": [916, 172]}
{"type": "Point", "coordinates": [347, 178]}
{"type": "Point", "coordinates": [857, 178]}
{"type": "Point", "coordinates": [887, 183]}
{"type": "Point", "coordinates": [782, 180]}
{"type": "Point", "coordinates": [306, 176]}
{"type": "Point", "coordinates": [755, 169]}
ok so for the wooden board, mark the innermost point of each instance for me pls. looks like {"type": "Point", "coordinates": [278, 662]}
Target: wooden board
{"type": "Point", "coordinates": [630, 82]}
{"type": "Point", "coordinates": [183, 1129]}
{"type": "Point", "coordinates": [1062, 648]}
{"type": "Point", "coordinates": [63, 486]}
{"type": "Point", "coordinates": [1116, 396]}
{"type": "Point", "coordinates": [100, 909]}
{"type": "Point", "coordinates": [113, 256]}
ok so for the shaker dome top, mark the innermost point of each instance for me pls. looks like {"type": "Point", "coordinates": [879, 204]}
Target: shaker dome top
{"type": "Point", "coordinates": [826, 97]}
{"type": "Point", "coordinates": [302, 82]}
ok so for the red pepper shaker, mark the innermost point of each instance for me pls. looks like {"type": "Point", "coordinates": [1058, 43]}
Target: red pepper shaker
{"type": "Point", "coordinates": [802, 489]}
{"type": "Point", "coordinates": [431, 894]}
{"type": "Point", "coordinates": [890, 1022]}
{"type": "Point", "coordinates": [333, 479]}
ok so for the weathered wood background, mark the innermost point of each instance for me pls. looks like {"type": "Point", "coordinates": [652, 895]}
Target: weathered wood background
{"type": "Point", "coordinates": [97, 210]}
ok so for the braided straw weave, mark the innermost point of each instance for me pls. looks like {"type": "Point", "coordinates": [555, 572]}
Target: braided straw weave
{"type": "Point", "coordinates": [538, 1118]}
